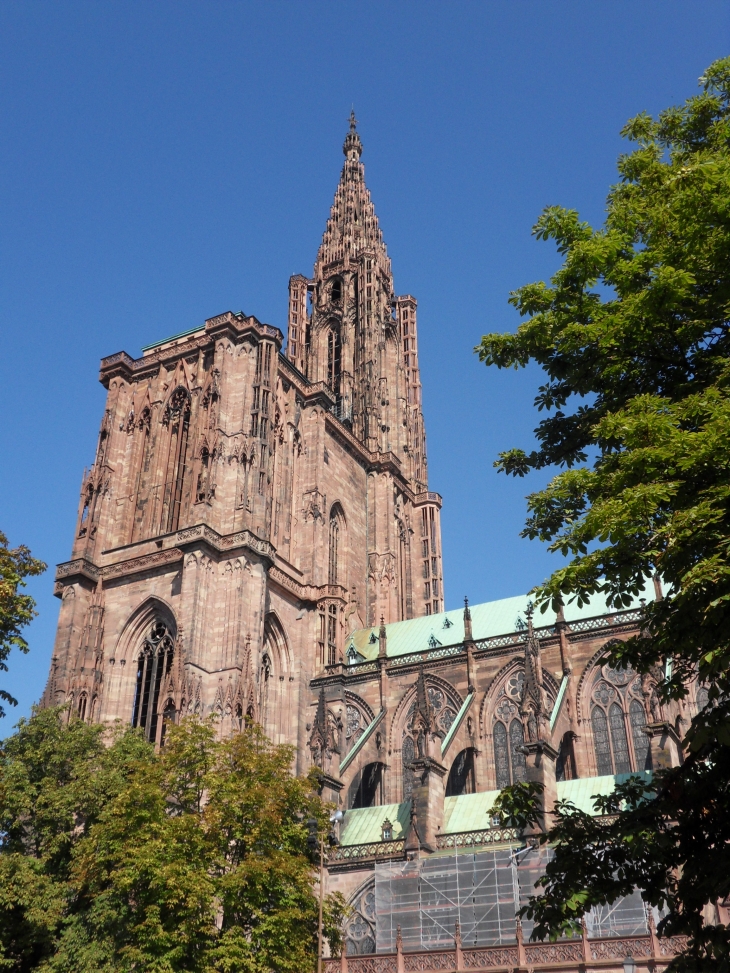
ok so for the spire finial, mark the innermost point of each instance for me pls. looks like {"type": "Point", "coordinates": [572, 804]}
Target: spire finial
{"type": "Point", "coordinates": [353, 146]}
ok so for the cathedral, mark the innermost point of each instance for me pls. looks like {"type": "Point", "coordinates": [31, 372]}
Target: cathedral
{"type": "Point", "coordinates": [256, 538]}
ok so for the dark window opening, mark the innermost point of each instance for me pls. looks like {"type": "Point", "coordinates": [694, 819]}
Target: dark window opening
{"type": "Point", "coordinates": [461, 776]}
{"type": "Point", "coordinates": [565, 764]}
{"type": "Point", "coordinates": [366, 789]}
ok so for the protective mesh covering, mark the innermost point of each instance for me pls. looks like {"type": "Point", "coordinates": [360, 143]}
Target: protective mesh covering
{"type": "Point", "coordinates": [482, 890]}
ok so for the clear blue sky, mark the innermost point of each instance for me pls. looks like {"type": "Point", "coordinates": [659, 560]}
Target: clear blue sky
{"type": "Point", "coordinates": [161, 162]}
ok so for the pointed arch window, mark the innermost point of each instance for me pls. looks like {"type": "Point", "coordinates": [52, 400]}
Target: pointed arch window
{"type": "Point", "coordinates": [334, 573]}
{"type": "Point", "coordinates": [508, 735]}
{"type": "Point", "coordinates": [332, 635]}
{"type": "Point", "coordinates": [154, 665]}
{"type": "Point", "coordinates": [618, 718]}
{"type": "Point", "coordinates": [334, 359]}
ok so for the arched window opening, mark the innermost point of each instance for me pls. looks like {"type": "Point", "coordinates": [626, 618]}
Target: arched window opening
{"type": "Point", "coordinates": [337, 291]}
{"type": "Point", "coordinates": [617, 705]}
{"type": "Point", "coordinates": [332, 635]}
{"type": "Point", "coordinates": [334, 552]}
{"type": "Point", "coordinates": [508, 734]}
{"type": "Point", "coordinates": [168, 716]}
{"type": "Point", "coordinates": [461, 776]}
{"type": "Point", "coordinates": [334, 360]}
{"type": "Point", "coordinates": [153, 665]}
{"type": "Point", "coordinates": [359, 932]}
{"type": "Point", "coordinates": [565, 764]}
{"type": "Point", "coordinates": [82, 706]}
{"type": "Point", "coordinates": [367, 788]}
{"type": "Point", "coordinates": [177, 417]}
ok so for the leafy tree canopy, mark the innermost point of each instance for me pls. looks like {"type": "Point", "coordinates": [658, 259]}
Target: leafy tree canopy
{"type": "Point", "coordinates": [632, 333]}
{"type": "Point", "coordinates": [16, 610]}
{"type": "Point", "coordinates": [114, 858]}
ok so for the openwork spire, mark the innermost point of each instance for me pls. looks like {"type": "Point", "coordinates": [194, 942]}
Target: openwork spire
{"type": "Point", "coordinates": [352, 225]}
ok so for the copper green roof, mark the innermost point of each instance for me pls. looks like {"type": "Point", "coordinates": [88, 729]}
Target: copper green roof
{"type": "Point", "coordinates": [174, 337]}
{"type": "Point", "coordinates": [490, 619]}
{"type": "Point", "coordinates": [468, 812]}
{"type": "Point", "coordinates": [365, 824]}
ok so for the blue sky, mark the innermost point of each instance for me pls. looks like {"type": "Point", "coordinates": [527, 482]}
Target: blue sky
{"type": "Point", "coordinates": [163, 162]}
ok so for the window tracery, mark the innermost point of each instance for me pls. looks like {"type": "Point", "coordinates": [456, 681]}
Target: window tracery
{"type": "Point", "coordinates": [360, 936]}
{"type": "Point", "coordinates": [508, 734]}
{"type": "Point", "coordinates": [618, 718]}
{"type": "Point", "coordinates": [154, 665]}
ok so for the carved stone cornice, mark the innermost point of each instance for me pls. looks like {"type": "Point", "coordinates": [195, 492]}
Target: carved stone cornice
{"type": "Point", "coordinates": [83, 568]}
{"type": "Point", "coordinates": [307, 592]}
{"type": "Point", "coordinates": [236, 326]}
{"type": "Point", "coordinates": [144, 563]}
{"type": "Point", "coordinates": [227, 542]}
{"type": "Point", "coordinates": [80, 566]}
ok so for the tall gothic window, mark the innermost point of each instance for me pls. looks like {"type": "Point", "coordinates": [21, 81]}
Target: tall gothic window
{"type": "Point", "coordinates": [177, 417]}
{"type": "Point", "coordinates": [332, 635]}
{"type": "Point", "coordinates": [508, 734]}
{"type": "Point", "coordinates": [154, 664]}
{"type": "Point", "coordinates": [618, 718]}
{"type": "Point", "coordinates": [334, 359]}
{"type": "Point", "coordinates": [334, 552]}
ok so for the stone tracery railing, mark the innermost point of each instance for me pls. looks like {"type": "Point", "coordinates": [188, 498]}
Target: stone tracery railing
{"type": "Point", "coordinates": [574, 954]}
{"type": "Point", "coordinates": [371, 849]}
{"type": "Point", "coordinates": [485, 836]}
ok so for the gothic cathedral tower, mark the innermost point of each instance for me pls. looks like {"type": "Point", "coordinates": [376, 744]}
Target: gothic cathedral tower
{"type": "Point", "coordinates": [248, 508]}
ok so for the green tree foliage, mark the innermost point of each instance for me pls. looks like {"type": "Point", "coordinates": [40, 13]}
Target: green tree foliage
{"type": "Point", "coordinates": [114, 858]}
{"type": "Point", "coordinates": [632, 333]}
{"type": "Point", "coordinates": [16, 610]}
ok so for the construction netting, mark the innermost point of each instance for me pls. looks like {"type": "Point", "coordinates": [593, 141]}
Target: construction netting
{"type": "Point", "coordinates": [481, 890]}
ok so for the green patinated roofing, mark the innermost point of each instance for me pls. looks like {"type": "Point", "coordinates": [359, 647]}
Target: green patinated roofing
{"type": "Point", "coordinates": [492, 618]}
{"type": "Point", "coordinates": [174, 337]}
{"type": "Point", "coordinates": [468, 812]}
{"type": "Point", "coordinates": [365, 824]}
{"type": "Point", "coordinates": [580, 792]}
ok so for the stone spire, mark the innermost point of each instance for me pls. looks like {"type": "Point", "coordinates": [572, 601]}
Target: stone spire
{"type": "Point", "coordinates": [352, 225]}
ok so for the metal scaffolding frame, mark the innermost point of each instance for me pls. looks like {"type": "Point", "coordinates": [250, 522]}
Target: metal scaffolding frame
{"type": "Point", "coordinates": [482, 890]}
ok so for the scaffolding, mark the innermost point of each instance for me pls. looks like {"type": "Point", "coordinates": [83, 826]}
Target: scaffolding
{"type": "Point", "coordinates": [482, 891]}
